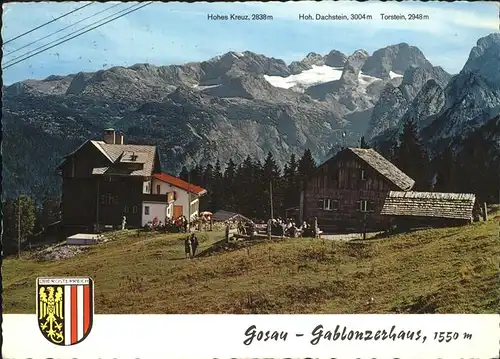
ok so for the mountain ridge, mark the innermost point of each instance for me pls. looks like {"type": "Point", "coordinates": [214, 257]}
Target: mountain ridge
{"type": "Point", "coordinates": [230, 106]}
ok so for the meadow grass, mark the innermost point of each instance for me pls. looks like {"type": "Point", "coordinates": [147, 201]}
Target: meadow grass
{"type": "Point", "coordinates": [448, 270]}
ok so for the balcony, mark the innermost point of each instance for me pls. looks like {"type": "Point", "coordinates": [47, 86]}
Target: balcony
{"type": "Point", "coordinates": [154, 197]}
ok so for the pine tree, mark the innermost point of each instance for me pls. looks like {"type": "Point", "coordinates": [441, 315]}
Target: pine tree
{"type": "Point", "coordinates": [291, 183]}
{"type": "Point", "coordinates": [208, 173]}
{"type": "Point", "coordinates": [411, 157]}
{"type": "Point", "coordinates": [363, 143]}
{"type": "Point", "coordinates": [229, 184]}
{"type": "Point", "coordinates": [22, 208]}
{"type": "Point", "coordinates": [184, 174]}
{"type": "Point", "coordinates": [307, 166]}
{"type": "Point", "coordinates": [196, 175]}
{"type": "Point", "coordinates": [478, 172]}
{"type": "Point", "coordinates": [207, 183]}
{"type": "Point", "coordinates": [271, 177]}
{"type": "Point", "coordinates": [217, 199]}
{"type": "Point", "coordinates": [445, 172]}
{"type": "Point", "coordinates": [246, 188]}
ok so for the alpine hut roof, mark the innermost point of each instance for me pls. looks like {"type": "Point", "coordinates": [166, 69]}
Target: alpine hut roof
{"type": "Point", "coordinates": [429, 204]}
{"type": "Point", "coordinates": [222, 216]}
{"type": "Point", "coordinates": [119, 155]}
{"type": "Point", "coordinates": [383, 166]}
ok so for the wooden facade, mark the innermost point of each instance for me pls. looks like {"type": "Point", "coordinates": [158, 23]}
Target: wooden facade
{"type": "Point", "coordinates": [99, 187]}
{"type": "Point", "coordinates": [347, 192]}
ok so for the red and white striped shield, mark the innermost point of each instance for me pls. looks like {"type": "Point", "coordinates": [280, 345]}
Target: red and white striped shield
{"type": "Point", "coordinates": [65, 309]}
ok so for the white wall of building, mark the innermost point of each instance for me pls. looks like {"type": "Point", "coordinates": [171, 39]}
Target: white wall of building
{"type": "Point", "coordinates": [182, 196]}
{"type": "Point", "coordinates": [154, 209]}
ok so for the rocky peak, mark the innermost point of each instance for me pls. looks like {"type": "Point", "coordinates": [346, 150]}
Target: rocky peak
{"type": "Point", "coordinates": [312, 58]}
{"type": "Point", "coordinates": [79, 83]}
{"type": "Point", "coordinates": [387, 112]}
{"type": "Point", "coordinates": [484, 59]}
{"type": "Point", "coordinates": [335, 59]}
{"type": "Point", "coordinates": [352, 67]}
{"type": "Point", "coordinates": [415, 78]}
{"type": "Point", "coordinates": [427, 103]}
{"type": "Point", "coordinates": [235, 64]}
{"type": "Point", "coordinates": [396, 58]}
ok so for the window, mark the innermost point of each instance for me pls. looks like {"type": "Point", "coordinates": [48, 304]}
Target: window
{"type": "Point", "coordinates": [108, 199]}
{"type": "Point", "coordinates": [146, 210]}
{"type": "Point", "coordinates": [366, 206]}
{"type": "Point", "coordinates": [134, 209]}
{"type": "Point", "coordinates": [362, 175]}
{"type": "Point", "coordinates": [158, 188]}
{"type": "Point", "coordinates": [320, 203]}
{"type": "Point", "coordinates": [125, 209]}
{"type": "Point", "coordinates": [330, 204]}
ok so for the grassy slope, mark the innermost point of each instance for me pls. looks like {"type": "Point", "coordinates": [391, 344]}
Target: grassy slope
{"type": "Point", "coordinates": [432, 271]}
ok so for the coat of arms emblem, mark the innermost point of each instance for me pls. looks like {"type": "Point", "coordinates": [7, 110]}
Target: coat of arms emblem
{"type": "Point", "coordinates": [65, 309]}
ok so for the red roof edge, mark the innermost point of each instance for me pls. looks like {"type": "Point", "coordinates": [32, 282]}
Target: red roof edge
{"type": "Point", "coordinates": [180, 183]}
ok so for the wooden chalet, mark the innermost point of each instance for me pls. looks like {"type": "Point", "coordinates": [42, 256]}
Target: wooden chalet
{"type": "Point", "coordinates": [102, 181]}
{"type": "Point", "coordinates": [347, 192]}
{"type": "Point", "coordinates": [414, 209]}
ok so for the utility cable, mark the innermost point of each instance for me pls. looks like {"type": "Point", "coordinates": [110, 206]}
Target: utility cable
{"type": "Point", "coordinates": [49, 22]}
{"type": "Point", "coordinates": [61, 30]}
{"type": "Point", "coordinates": [24, 57]}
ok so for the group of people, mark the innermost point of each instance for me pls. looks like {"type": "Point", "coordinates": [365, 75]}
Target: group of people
{"type": "Point", "coordinates": [169, 226]}
{"type": "Point", "coordinates": [288, 228]}
{"type": "Point", "coordinates": [247, 228]}
{"type": "Point", "coordinates": [190, 245]}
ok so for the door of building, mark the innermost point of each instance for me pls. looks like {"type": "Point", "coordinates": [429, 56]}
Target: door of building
{"type": "Point", "coordinates": [178, 211]}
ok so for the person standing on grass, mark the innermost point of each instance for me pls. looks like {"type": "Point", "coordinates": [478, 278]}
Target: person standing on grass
{"type": "Point", "coordinates": [187, 247]}
{"type": "Point", "coordinates": [194, 244]}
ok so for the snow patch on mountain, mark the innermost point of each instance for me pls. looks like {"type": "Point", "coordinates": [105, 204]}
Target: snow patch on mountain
{"type": "Point", "coordinates": [203, 87]}
{"type": "Point", "coordinates": [393, 75]}
{"type": "Point", "coordinates": [364, 81]}
{"type": "Point", "coordinates": [315, 76]}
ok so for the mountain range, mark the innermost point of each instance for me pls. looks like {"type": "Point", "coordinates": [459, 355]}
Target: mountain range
{"type": "Point", "coordinates": [240, 104]}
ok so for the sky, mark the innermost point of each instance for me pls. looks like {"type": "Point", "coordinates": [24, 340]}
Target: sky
{"type": "Point", "coordinates": [176, 33]}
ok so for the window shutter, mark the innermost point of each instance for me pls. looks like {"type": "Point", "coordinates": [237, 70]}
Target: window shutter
{"type": "Point", "coordinates": [320, 203]}
{"type": "Point", "coordinates": [358, 203]}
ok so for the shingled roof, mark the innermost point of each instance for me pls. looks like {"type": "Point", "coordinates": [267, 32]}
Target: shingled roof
{"type": "Point", "coordinates": [144, 155]}
{"type": "Point", "coordinates": [383, 166]}
{"type": "Point", "coordinates": [429, 204]}
{"type": "Point", "coordinates": [222, 216]}
{"type": "Point", "coordinates": [119, 157]}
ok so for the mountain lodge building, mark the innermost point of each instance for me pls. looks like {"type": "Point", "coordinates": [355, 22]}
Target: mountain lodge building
{"type": "Point", "coordinates": [102, 181]}
{"type": "Point", "coordinates": [358, 189]}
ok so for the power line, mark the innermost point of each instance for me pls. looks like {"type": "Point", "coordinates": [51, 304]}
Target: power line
{"type": "Point", "coordinates": [67, 35]}
{"type": "Point", "coordinates": [45, 48]}
{"type": "Point", "coordinates": [49, 22]}
{"type": "Point", "coordinates": [60, 30]}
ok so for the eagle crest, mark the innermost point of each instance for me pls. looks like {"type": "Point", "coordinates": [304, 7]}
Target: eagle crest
{"type": "Point", "coordinates": [50, 309]}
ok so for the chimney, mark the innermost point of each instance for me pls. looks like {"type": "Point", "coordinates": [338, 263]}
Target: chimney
{"type": "Point", "coordinates": [110, 136]}
{"type": "Point", "coordinates": [119, 138]}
